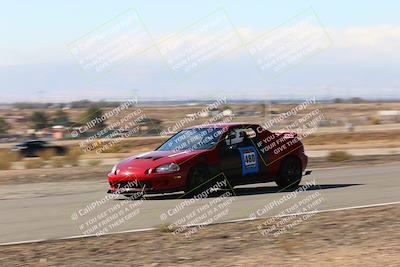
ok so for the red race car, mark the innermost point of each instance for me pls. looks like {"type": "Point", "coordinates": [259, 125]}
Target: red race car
{"type": "Point", "coordinates": [241, 153]}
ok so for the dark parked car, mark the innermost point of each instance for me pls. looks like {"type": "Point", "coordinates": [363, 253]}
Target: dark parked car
{"type": "Point", "coordinates": [33, 148]}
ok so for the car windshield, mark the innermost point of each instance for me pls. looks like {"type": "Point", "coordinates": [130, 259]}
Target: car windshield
{"type": "Point", "coordinates": [193, 139]}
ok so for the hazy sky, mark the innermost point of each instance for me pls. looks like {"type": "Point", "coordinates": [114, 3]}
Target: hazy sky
{"type": "Point", "coordinates": [36, 64]}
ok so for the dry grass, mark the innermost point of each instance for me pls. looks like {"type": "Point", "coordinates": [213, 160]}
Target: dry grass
{"type": "Point", "coordinates": [94, 162]}
{"type": "Point", "coordinates": [125, 146]}
{"type": "Point", "coordinates": [338, 156]}
{"type": "Point", "coordinates": [5, 165]}
{"type": "Point", "coordinates": [73, 155]}
{"type": "Point", "coordinates": [35, 163]}
{"type": "Point", "coordinates": [375, 121]}
{"type": "Point", "coordinates": [7, 158]}
{"type": "Point", "coordinates": [166, 228]}
{"type": "Point", "coordinates": [99, 146]}
{"type": "Point", "coordinates": [115, 148]}
{"type": "Point", "coordinates": [13, 156]}
{"type": "Point", "coordinates": [381, 137]}
{"type": "Point", "coordinates": [47, 154]}
{"type": "Point", "coordinates": [5, 161]}
{"type": "Point", "coordinates": [58, 162]}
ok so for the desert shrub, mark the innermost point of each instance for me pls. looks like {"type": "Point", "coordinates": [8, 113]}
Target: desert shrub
{"type": "Point", "coordinates": [5, 160]}
{"type": "Point", "coordinates": [14, 156]}
{"type": "Point", "coordinates": [98, 146]}
{"type": "Point", "coordinates": [34, 163]}
{"type": "Point", "coordinates": [167, 228]}
{"type": "Point", "coordinates": [337, 156]}
{"type": "Point", "coordinates": [73, 155]}
{"type": "Point", "coordinates": [58, 162]}
{"type": "Point", "coordinates": [113, 148]}
{"type": "Point", "coordinates": [94, 162]}
{"type": "Point", "coordinates": [91, 146]}
{"type": "Point", "coordinates": [5, 165]}
{"type": "Point", "coordinates": [375, 121]}
{"type": "Point", "coordinates": [47, 154]}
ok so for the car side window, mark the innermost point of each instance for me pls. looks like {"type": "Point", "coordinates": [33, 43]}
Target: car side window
{"type": "Point", "coordinates": [233, 138]}
{"type": "Point", "coordinates": [240, 137]}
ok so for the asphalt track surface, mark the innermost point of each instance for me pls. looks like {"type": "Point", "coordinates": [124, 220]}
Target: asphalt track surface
{"type": "Point", "coordinates": [58, 210]}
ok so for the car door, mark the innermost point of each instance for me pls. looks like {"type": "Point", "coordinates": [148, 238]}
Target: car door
{"type": "Point", "coordinates": [230, 157]}
{"type": "Point", "coordinates": [239, 158]}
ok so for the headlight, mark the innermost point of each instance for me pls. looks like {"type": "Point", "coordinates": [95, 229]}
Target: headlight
{"type": "Point", "coordinates": [171, 167]}
{"type": "Point", "coordinates": [114, 169]}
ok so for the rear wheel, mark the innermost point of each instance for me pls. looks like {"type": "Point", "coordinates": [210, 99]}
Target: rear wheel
{"type": "Point", "coordinates": [290, 173]}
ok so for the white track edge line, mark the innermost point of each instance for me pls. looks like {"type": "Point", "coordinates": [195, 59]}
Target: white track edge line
{"type": "Point", "coordinates": [231, 221]}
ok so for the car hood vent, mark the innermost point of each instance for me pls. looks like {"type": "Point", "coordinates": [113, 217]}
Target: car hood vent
{"type": "Point", "coordinates": [149, 157]}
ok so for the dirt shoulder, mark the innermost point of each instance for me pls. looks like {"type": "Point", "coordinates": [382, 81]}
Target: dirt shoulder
{"type": "Point", "coordinates": [358, 237]}
{"type": "Point", "coordinates": [354, 161]}
{"type": "Point", "coordinates": [326, 141]}
{"type": "Point", "coordinates": [9, 177]}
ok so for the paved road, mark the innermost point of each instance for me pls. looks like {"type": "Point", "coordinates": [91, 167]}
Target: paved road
{"type": "Point", "coordinates": [42, 211]}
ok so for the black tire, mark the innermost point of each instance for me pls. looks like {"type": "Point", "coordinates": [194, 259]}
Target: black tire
{"type": "Point", "coordinates": [198, 180]}
{"type": "Point", "coordinates": [290, 173]}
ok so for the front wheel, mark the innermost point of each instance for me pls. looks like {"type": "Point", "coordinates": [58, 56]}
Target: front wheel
{"type": "Point", "coordinates": [198, 180]}
{"type": "Point", "coordinates": [290, 173]}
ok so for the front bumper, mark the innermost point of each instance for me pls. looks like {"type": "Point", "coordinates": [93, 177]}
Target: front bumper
{"type": "Point", "coordinates": [152, 183]}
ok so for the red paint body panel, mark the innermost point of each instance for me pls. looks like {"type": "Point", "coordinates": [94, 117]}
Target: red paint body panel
{"type": "Point", "coordinates": [272, 149]}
